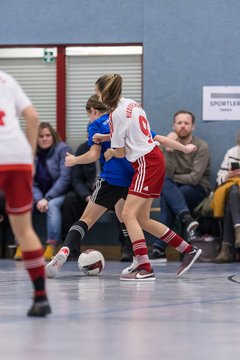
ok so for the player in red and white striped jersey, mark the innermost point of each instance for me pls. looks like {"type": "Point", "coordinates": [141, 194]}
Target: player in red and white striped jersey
{"type": "Point", "coordinates": [16, 168]}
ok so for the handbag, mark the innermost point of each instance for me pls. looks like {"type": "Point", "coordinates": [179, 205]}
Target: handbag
{"type": "Point", "coordinates": [204, 210]}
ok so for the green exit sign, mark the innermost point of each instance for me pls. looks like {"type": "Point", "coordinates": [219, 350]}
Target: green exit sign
{"type": "Point", "coordinates": [48, 56]}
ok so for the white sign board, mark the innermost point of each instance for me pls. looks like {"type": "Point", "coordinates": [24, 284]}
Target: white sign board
{"type": "Point", "coordinates": [221, 103]}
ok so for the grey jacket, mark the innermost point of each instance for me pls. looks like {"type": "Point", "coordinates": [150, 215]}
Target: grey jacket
{"type": "Point", "coordinates": [60, 174]}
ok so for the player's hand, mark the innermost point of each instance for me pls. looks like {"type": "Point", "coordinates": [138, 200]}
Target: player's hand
{"type": "Point", "coordinates": [108, 154]}
{"type": "Point", "coordinates": [70, 160]}
{"type": "Point", "coordinates": [97, 138]}
{"type": "Point", "coordinates": [189, 148]}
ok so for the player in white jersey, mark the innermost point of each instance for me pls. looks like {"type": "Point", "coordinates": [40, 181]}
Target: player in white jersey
{"type": "Point", "coordinates": [131, 137]}
{"type": "Point", "coordinates": [16, 169]}
{"type": "Point", "coordinates": [127, 117]}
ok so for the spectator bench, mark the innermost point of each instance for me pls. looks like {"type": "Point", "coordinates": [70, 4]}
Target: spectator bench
{"type": "Point", "coordinates": [104, 236]}
{"type": "Point", "coordinates": [209, 239]}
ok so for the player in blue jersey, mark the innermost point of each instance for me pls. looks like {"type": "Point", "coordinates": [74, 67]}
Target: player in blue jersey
{"type": "Point", "coordinates": [110, 190]}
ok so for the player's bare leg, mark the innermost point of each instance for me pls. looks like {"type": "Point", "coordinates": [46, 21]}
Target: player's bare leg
{"type": "Point", "coordinates": [33, 260]}
{"type": "Point", "coordinates": [74, 237]}
{"type": "Point", "coordinates": [159, 230]}
{"type": "Point", "coordinates": [143, 270]}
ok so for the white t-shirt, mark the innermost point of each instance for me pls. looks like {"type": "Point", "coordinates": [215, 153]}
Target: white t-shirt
{"type": "Point", "coordinates": [130, 128]}
{"type": "Point", "coordinates": [14, 147]}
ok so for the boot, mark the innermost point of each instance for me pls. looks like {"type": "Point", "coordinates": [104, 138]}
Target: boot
{"type": "Point", "coordinates": [237, 237]}
{"type": "Point", "coordinates": [49, 252]}
{"type": "Point", "coordinates": [126, 252]}
{"type": "Point", "coordinates": [18, 254]}
{"type": "Point", "coordinates": [224, 256]}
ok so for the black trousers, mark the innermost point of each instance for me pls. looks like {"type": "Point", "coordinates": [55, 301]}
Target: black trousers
{"type": "Point", "coordinates": [72, 209]}
{"type": "Point", "coordinates": [231, 215]}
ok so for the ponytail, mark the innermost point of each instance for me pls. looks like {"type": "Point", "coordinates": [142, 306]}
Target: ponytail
{"type": "Point", "coordinates": [110, 87]}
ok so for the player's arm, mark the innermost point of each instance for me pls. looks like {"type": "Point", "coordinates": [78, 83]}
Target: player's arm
{"type": "Point", "coordinates": [173, 144]}
{"type": "Point", "coordinates": [109, 153]}
{"type": "Point", "coordinates": [89, 157]}
{"type": "Point", "coordinates": [32, 122]}
{"type": "Point", "coordinates": [117, 153]}
{"type": "Point", "coordinates": [98, 138]}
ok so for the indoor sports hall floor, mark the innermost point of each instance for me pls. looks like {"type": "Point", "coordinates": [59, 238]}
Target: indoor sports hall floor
{"type": "Point", "coordinates": [196, 316]}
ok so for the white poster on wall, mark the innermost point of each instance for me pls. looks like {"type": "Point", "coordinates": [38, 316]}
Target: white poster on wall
{"type": "Point", "coordinates": [221, 103]}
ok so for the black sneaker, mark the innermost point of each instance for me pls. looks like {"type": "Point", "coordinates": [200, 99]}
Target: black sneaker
{"type": "Point", "coordinates": [126, 252]}
{"type": "Point", "coordinates": [189, 222]}
{"type": "Point", "coordinates": [126, 257]}
{"type": "Point", "coordinates": [39, 309]}
{"type": "Point", "coordinates": [157, 255]}
{"type": "Point", "coordinates": [188, 260]}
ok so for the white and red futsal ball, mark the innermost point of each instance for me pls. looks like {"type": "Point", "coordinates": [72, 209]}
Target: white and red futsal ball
{"type": "Point", "coordinates": [91, 262]}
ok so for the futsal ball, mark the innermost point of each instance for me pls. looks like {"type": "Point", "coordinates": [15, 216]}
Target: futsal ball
{"type": "Point", "coordinates": [91, 262]}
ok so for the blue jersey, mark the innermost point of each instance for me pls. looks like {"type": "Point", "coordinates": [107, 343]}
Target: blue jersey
{"type": "Point", "coordinates": [118, 172]}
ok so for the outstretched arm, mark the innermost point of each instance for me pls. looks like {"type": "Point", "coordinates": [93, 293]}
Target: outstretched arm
{"type": "Point", "coordinates": [89, 157]}
{"type": "Point", "coordinates": [173, 144]}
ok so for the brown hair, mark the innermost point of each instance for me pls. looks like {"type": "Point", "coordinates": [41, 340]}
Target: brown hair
{"type": "Point", "coordinates": [110, 87]}
{"type": "Point", "coordinates": [94, 103]}
{"type": "Point", "coordinates": [54, 133]}
{"type": "Point", "coordinates": [184, 112]}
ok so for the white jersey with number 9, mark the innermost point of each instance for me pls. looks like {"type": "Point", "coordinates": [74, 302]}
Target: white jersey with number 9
{"type": "Point", "coordinates": [130, 128]}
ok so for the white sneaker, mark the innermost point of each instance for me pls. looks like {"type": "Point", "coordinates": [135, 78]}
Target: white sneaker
{"type": "Point", "coordinates": [192, 226]}
{"type": "Point", "coordinates": [57, 262]}
{"type": "Point", "coordinates": [130, 268]}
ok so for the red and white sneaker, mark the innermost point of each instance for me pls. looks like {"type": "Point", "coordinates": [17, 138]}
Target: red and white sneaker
{"type": "Point", "coordinates": [53, 267]}
{"type": "Point", "coordinates": [188, 260]}
{"type": "Point", "coordinates": [138, 274]}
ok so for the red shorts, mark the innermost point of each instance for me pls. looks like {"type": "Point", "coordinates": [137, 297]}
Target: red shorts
{"type": "Point", "coordinates": [16, 183]}
{"type": "Point", "coordinates": [149, 171]}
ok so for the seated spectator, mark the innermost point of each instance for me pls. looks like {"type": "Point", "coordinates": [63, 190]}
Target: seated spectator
{"type": "Point", "coordinates": [226, 202]}
{"type": "Point", "coordinates": [51, 182]}
{"type": "Point", "coordinates": [187, 181]}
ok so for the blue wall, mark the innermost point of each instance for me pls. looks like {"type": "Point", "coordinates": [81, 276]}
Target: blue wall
{"type": "Point", "coordinates": [188, 44]}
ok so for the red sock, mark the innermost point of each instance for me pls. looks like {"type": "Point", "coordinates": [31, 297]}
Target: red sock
{"type": "Point", "coordinates": [175, 241]}
{"type": "Point", "coordinates": [35, 265]}
{"type": "Point", "coordinates": [141, 254]}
